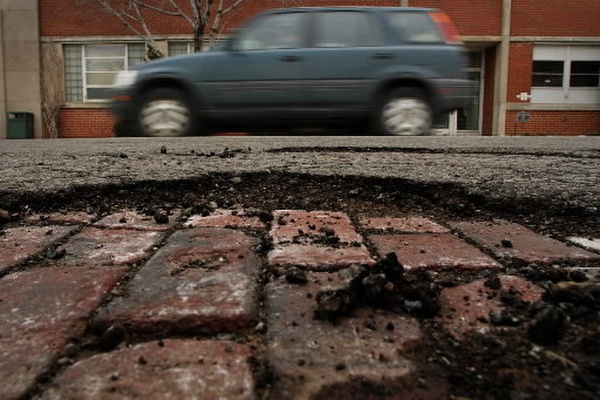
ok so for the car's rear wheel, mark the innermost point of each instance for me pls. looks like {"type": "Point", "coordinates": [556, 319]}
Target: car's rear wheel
{"type": "Point", "coordinates": [405, 111]}
{"type": "Point", "coordinates": [165, 112]}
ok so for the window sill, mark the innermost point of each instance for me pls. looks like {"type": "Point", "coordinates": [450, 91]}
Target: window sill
{"type": "Point", "coordinates": [91, 105]}
{"type": "Point", "coordinates": [552, 107]}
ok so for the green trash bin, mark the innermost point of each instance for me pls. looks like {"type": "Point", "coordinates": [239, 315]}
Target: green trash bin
{"type": "Point", "coordinates": [19, 125]}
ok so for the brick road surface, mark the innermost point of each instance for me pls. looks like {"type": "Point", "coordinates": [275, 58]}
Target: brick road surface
{"type": "Point", "coordinates": [197, 304]}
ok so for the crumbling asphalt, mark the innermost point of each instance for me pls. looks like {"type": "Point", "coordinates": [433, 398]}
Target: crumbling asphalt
{"type": "Point", "coordinates": [559, 172]}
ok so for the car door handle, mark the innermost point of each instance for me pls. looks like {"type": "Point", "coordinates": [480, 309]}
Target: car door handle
{"type": "Point", "coordinates": [383, 56]}
{"type": "Point", "coordinates": [291, 58]}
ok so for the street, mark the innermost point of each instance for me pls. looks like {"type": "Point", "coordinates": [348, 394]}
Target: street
{"type": "Point", "coordinates": [300, 268]}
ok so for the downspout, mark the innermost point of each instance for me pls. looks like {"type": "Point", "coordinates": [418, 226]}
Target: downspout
{"type": "Point", "coordinates": [502, 63]}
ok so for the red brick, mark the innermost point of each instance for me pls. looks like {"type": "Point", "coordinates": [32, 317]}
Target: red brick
{"type": "Point", "coordinates": [291, 226]}
{"type": "Point", "coordinates": [319, 258]}
{"type": "Point", "coordinates": [467, 307]}
{"type": "Point", "coordinates": [433, 251]}
{"type": "Point", "coordinates": [202, 280]}
{"type": "Point", "coordinates": [18, 244]}
{"type": "Point", "coordinates": [40, 310]}
{"type": "Point", "coordinates": [320, 240]}
{"type": "Point", "coordinates": [403, 225]}
{"type": "Point", "coordinates": [68, 218]}
{"type": "Point", "coordinates": [170, 369]}
{"type": "Point", "coordinates": [309, 356]}
{"type": "Point", "coordinates": [130, 219]}
{"type": "Point", "coordinates": [94, 246]}
{"type": "Point", "coordinates": [516, 243]}
{"type": "Point", "coordinates": [224, 218]}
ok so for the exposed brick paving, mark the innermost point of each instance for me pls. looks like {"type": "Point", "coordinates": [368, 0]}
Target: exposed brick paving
{"type": "Point", "coordinates": [129, 219]}
{"type": "Point", "coordinates": [468, 307]}
{"type": "Point", "coordinates": [225, 219]}
{"type": "Point", "coordinates": [166, 369]}
{"type": "Point", "coordinates": [514, 242]}
{"type": "Point", "coordinates": [66, 218]}
{"type": "Point", "coordinates": [215, 277]}
{"type": "Point", "coordinates": [292, 226]}
{"type": "Point", "coordinates": [308, 355]}
{"type": "Point", "coordinates": [202, 280]}
{"type": "Point", "coordinates": [40, 311]}
{"type": "Point", "coordinates": [433, 252]}
{"type": "Point", "coordinates": [18, 244]}
{"type": "Point", "coordinates": [95, 246]}
{"type": "Point", "coordinates": [403, 225]}
{"type": "Point", "coordinates": [319, 240]}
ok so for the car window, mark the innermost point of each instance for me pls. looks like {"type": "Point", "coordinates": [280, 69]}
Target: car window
{"type": "Point", "coordinates": [279, 31]}
{"type": "Point", "coordinates": [414, 27]}
{"type": "Point", "coordinates": [346, 29]}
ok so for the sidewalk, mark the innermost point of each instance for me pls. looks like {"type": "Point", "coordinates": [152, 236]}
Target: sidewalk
{"type": "Point", "coordinates": [227, 305]}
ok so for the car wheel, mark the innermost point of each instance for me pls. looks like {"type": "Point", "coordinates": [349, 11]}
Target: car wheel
{"type": "Point", "coordinates": [405, 111]}
{"type": "Point", "coordinates": [165, 112]}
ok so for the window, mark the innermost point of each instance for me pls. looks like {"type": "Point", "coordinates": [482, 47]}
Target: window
{"type": "Point", "coordinates": [279, 31]}
{"type": "Point", "coordinates": [90, 69]}
{"type": "Point", "coordinates": [585, 73]}
{"type": "Point", "coordinates": [346, 29]}
{"type": "Point", "coordinates": [180, 48]}
{"type": "Point", "coordinates": [548, 73]}
{"type": "Point", "coordinates": [566, 75]}
{"type": "Point", "coordinates": [183, 47]}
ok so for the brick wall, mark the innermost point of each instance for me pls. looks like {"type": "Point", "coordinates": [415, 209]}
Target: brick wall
{"type": "Point", "coordinates": [520, 66]}
{"type": "Point", "coordinates": [555, 18]}
{"type": "Point", "coordinates": [85, 123]}
{"type": "Point", "coordinates": [563, 123]}
{"type": "Point", "coordinates": [471, 17]}
{"type": "Point", "coordinates": [88, 18]}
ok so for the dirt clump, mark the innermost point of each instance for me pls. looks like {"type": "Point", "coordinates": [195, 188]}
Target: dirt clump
{"type": "Point", "coordinates": [383, 286]}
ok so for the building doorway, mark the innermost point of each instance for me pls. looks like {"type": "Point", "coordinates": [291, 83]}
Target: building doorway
{"type": "Point", "coordinates": [465, 122]}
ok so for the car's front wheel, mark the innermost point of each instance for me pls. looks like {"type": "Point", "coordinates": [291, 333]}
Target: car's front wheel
{"type": "Point", "coordinates": [405, 111]}
{"type": "Point", "coordinates": [165, 112]}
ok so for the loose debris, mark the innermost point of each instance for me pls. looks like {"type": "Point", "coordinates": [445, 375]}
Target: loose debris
{"type": "Point", "coordinates": [383, 285]}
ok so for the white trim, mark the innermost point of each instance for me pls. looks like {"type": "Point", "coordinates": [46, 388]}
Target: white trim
{"type": "Point", "coordinates": [562, 40]}
{"type": "Point", "coordinates": [552, 107]}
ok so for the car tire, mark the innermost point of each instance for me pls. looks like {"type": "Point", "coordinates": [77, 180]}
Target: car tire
{"type": "Point", "coordinates": [166, 112]}
{"type": "Point", "coordinates": [404, 112]}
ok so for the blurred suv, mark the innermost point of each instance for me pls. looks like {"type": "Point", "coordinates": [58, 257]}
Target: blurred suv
{"type": "Point", "coordinates": [297, 68]}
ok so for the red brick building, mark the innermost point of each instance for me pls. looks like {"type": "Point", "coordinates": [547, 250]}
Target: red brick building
{"type": "Point", "coordinates": [537, 62]}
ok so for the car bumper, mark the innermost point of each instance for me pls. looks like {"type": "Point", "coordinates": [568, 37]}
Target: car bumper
{"type": "Point", "coordinates": [456, 94]}
{"type": "Point", "coordinates": [122, 104]}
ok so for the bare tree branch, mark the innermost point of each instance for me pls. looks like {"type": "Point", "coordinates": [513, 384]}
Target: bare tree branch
{"type": "Point", "coordinates": [123, 17]}
{"type": "Point", "coordinates": [198, 16]}
{"type": "Point", "coordinates": [214, 29]}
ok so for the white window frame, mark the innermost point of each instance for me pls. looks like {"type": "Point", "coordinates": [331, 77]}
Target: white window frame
{"type": "Point", "coordinates": [85, 71]}
{"type": "Point", "coordinates": [565, 94]}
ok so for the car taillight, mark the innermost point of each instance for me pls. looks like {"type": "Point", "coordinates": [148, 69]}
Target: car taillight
{"type": "Point", "coordinates": [447, 28]}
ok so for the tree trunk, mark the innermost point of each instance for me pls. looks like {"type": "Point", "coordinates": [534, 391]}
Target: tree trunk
{"type": "Point", "coordinates": [198, 37]}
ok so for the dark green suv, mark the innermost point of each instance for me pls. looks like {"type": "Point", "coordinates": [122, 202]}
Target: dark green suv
{"type": "Point", "coordinates": [296, 68]}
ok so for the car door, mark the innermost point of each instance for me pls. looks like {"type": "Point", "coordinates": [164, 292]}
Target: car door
{"type": "Point", "coordinates": [261, 68]}
{"type": "Point", "coordinates": [344, 58]}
